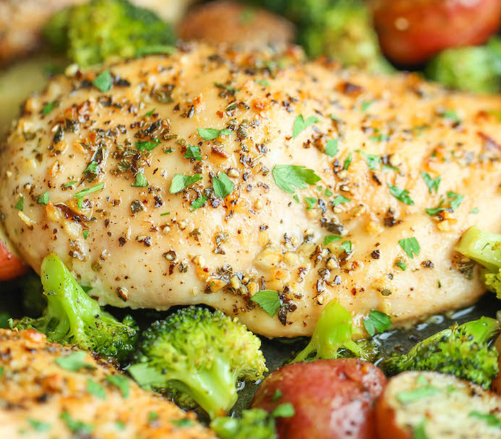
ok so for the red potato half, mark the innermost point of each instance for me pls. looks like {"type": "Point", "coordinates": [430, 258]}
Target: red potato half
{"type": "Point", "coordinates": [411, 32]}
{"type": "Point", "coordinates": [332, 399]}
{"type": "Point", "coordinates": [496, 384]}
{"type": "Point", "coordinates": [437, 406]}
{"type": "Point", "coordinates": [10, 265]}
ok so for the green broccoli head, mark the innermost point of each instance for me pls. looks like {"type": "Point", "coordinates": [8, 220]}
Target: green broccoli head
{"type": "Point", "coordinates": [202, 354]}
{"type": "Point", "coordinates": [72, 317]}
{"type": "Point", "coordinates": [255, 424]}
{"type": "Point", "coordinates": [345, 33]}
{"type": "Point", "coordinates": [333, 337]}
{"type": "Point", "coordinates": [92, 32]}
{"type": "Point", "coordinates": [462, 350]}
{"type": "Point", "coordinates": [475, 69]}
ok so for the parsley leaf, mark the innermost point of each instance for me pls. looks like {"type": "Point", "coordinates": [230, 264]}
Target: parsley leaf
{"type": "Point", "coordinates": [340, 200]}
{"type": "Point", "coordinates": [331, 238]}
{"type": "Point", "coordinates": [182, 423]}
{"type": "Point", "coordinates": [77, 427]}
{"type": "Point", "coordinates": [193, 152]}
{"type": "Point", "coordinates": [491, 420]}
{"type": "Point", "coordinates": [455, 200]}
{"type": "Point", "coordinates": [268, 301]}
{"type": "Point", "coordinates": [401, 265]}
{"type": "Point", "coordinates": [430, 182]}
{"type": "Point", "coordinates": [284, 411]}
{"type": "Point", "coordinates": [310, 201]}
{"type": "Point", "coordinates": [44, 199]}
{"type": "Point", "coordinates": [300, 124]}
{"type": "Point", "coordinates": [347, 246]}
{"type": "Point", "coordinates": [181, 181]}
{"type": "Point", "coordinates": [373, 161]}
{"type": "Point", "coordinates": [104, 81]}
{"type": "Point", "coordinates": [223, 186]}
{"type": "Point", "coordinates": [20, 204]}
{"type": "Point", "coordinates": [140, 180]}
{"type": "Point", "coordinates": [198, 203]}
{"type": "Point", "coordinates": [331, 147]}
{"type": "Point", "coordinates": [150, 113]}
{"type": "Point", "coordinates": [95, 389]}
{"type": "Point", "coordinates": [437, 209]}
{"type": "Point", "coordinates": [377, 322]}
{"type": "Point", "coordinates": [149, 146]}
{"type": "Point", "coordinates": [419, 431]}
{"type": "Point", "coordinates": [408, 396]}
{"type": "Point", "coordinates": [288, 177]}
{"type": "Point", "coordinates": [121, 382]}
{"type": "Point", "coordinates": [48, 107]}
{"type": "Point", "coordinates": [347, 162]}
{"type": "Point", "coordinates": [474, 211]}
{"type": "Point", "coordinates": [74, 362]}
{"type": "Point", "coordinates": [410, 246]}
{"type": "Point", "coordinates": [401, 195]}
{"type": "Point", "coordinates": [85, 192]}
{"type": "Point", "coordinates": [41, 427]}
{"type": "Point", "coordinates": [263, 82]}
{"type": "Point", "coordinates": [366, 104]}
{"type": "Point", "coordinates": [212, 133]}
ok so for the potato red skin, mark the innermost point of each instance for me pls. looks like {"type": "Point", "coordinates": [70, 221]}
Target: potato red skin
{"type": "Point", "coordinates": [411, 32]}
{"type": "Point", "coordinates": [332, 399]}
{"type": "Point", "coordinates": [496, 384]}
{"type": "Point", "coordinates": [10, 265]}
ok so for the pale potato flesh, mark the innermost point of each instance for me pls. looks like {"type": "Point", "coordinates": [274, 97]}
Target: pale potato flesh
{"type": "Point", "coordinates": [259, 237]}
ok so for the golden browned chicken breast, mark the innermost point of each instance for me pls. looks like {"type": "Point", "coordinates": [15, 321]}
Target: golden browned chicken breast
{"type": "Point", "coordinates": [50, 391]}
{"type": "Point", "coordinates": [209, 175]}
{"type": "Point", "coordinates": [236, 23]}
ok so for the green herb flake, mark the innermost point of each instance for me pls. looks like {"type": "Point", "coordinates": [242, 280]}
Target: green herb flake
{"type": "Point", "coordinates": [492, 420]}
{"type": "Point", "coordinates": [339, 199]}
{"type": "Point", "coordinates": [230, 90]}
{"type": "Point", "coordinates": [198, 203]}
{"type": "Point", "coordinates": [2, 370]}
{"type": "Point", "coordinates": [347, 162]}
{"type": "Point", "coordinates": [277, 395]}
{"type": "Point", "coordinates": [263, 82]}
{"type": "Point", "coordinates": [121, 382]}
{"type": "Point", "coordinates": [146, 145]}
{"type": "Point", "coordinates": [77, 427]}
{"type": "Point", "coordinates": [474, 211]}
{"type": "Point", "coordinates": [85, 234]}
{"type": "Point", "coordinates": [74, 362]}
{"type": "Point", "coordinates": [47, 108]}
{"type": "Point", "coordinates": [420, 431]}
{"type": "Point", "coordinates": [150, 113]}
{"type": "Point", "coordinates": [334, 117]}
{"type": "Point", "coordinates": [193, 152]}
{"type": "Point", "coordinates": [452, 115]}
{"type": "Point", "coordinates": [366, 105]}
{"type": "Point", "coordinates": [96, 389]}
{"type": "Point", "coordinates": [152, 417]}
{"type": "Point", "coordinates": [331, 238]}
{"type": "Point", "coordinates": [40, 427]}
{"type": "Point", "coordinates": [182, 423]}
{"type": "Point", "coordinates": [401, 195]}
{"type": "Point", "coordinates": [436, 210]}
{"type": "Point", "coordinates": [89, 191]}
{"type": "Point", "coordinates": [401, 265]}
{"type": "Point", "coordinates": [296, 198]}
{"type": "Point", "coordinates": [92, 167]}
{"type": "Point", "coordinates": [223, 186]}
{"type": "Point", "coordinates": [331, 147]}
{"type": "Point", "coordinates": [347, 246]}
{"type": "Point", "coordinates": [431, 183]}
{"type": "Point", "coordinates": [377, 322]}
{"type": "Point", "coordinates": [71, 183]}
{"type": "Point", "coordinates": [328, 192]}
{"type": "Point", "coordinates": [181, 181]}
{"type": "Point", "coordinates": [103, 82]}
{"type": "Point", "coordinates": [268, 301]}
{"type": "Point", "coordinates": [373, 161]}
{"type": "Point", "coordinates": [140, 180]}
{"type": "Point", "coordinates": [455, 200]}
{"type": "Point", "coordinates": [410, 246]}
{"type": "Point", "coordinates": [212, 133]}
{"type": "Point", "coordinates": [288, 177]}
{"type": "Point", "coordinates": [311, 202]}
{"type": "Point", "coordinates": [20, 204]}
{"type": "Point", "coordinates": [409, 396]}
{"type": "Point", "coordinates": [300, 124]}
{"type": "Point", "coordinates": [165, 214]}
{"type": "Point", "coordinates": [284, 411]}
{"type": "Point", "coordinates": [44, 199]}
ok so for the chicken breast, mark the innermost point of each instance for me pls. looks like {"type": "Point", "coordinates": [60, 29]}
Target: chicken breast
{"type": "Point", "coordinates": [50, 391]}
{"type": "Point", "coordinates": [208, 176]}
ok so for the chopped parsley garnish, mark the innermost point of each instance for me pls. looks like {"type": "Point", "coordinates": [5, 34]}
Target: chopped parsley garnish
{"type": "Point", "coordinates": [310, 201]}
{"type": "Point", "coordinates": [401, 265]}
{"type": "Point", "coordinates": [165, 214]}
{"type": "Point", "coordinates": [437, 209]}
{"type": "Point", "coordinates": [334, 117]}
{"type": "Point", "coordinates": [44, 199]}
{"type": "Point", "coordinates": [284, 411]}
{"type": "Point", "coordinates": [77, 427]}
{"type": "Point", "coordinates": [410, 246]}
{"type": "Point", "coordinates": [430, 182]}
{"type": "Point", "coordinates": [85, 234]}
{"type": "Point", "coordinates": [340, 200]}
{"type": "Point", "coordinates": [20, 204]}
{"type": "Point", "coordinates": [150, 113]}
{"type": "Point", "coordinates": [347, 162]}
{"type": "Point", "coordinates": [268, 301]}
{"type": "Point", "coordinates": [288, 177]}
{"type": "Point", "coordinates": [474, 211]}
{"type": "Point", "coordinates": [377, 322]}
{"type": "Point", "coordinates": [1, 369]}
{"type": "Point", "coordinates": [366, 105]}
{"type": "Point", "coordinates": [92, 167]}
{"type": "Point", "coordinates": [223, 186]}
{"type": "Point", "coordinates": [212, 133]}
{"type": "Point", "coordinates": [331, 147]}
{"type": "Point", "coordinates": [74, 362]}
{"type": "Point", "coordinates": [149, 146]}
{"type": "Point", "coordinates": [193, 152]}
{"type": "Point", "coordinates": [380, 138]}
{"type": "Point", "coordinates": [347, 246]}
{"type": "Point", "coordinates": [121, 382]}
{"type": "Point", "coordinates": [296, 198]}
{"type": "Point", "coordinates": [408, 396]}
{"type": "Point", "coordinates": [38, 426]}
{"type": "Point", "coordinates": [152, 417]}
{"type": "Point", "coordinates": [140, 180]}
{"type": "Point", "coordinates": [401, 195]}
{"type": "Point", "coordinates": [47, 108]}
{"type": "Point", "coordinates": [277, 395]}
{"type": "Point", "coordinates": [452, 115]}
{"type": "Point", "coordinates": [182, 423]}
{"type": "Point", "coordinates": [71, 183]}
{"type": "Point", "coordinates": [181, 181]}
{"type": "Point", "coordinates": [96, 389]}
{"type": "Point", "coordinates": [331, 238]}
{"type": "Point", "coordinates": [89, 191]}
{"type": "Point", "coordinates": [455, 200]}
{"type": "Point", "coordinates": [328, 192]}
{"type": "Point", "coordinates": [373, 161]}
{"type": "Point", "coordinates": [263, 82]}
{"type": "Point", "coordinates": [419, 431]}
{"type": "Point", "coordinates": [198, 203]}
{"type": "Point", "coordinates": [491, 419]}
{"type": "Point", "coordinates": [300, 124]}
{"type": "Point", "coordinates": [230, 90]}
{"type": "Point", "coordinates": [104, 81]}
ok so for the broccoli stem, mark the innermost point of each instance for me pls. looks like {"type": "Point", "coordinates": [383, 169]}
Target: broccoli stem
{"type": "Point", "coordinates": [482, 247]}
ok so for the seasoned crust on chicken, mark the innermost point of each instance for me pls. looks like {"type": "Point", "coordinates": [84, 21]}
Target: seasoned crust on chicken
{"type": "Point", "coordinates": [41, 398]}
{"type": "Point", "coordinates": [145, 247]}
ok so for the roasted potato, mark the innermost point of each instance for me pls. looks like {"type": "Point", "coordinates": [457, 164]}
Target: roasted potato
{"type": "Point", "coordinates": [332, 399]}
{"type": "Point", "coordinates": [437, 406]}
{"type": "Point", "coordinates": [496, 384]}
{"type": "Point", "coordinates": [236, 23]}
{"type": "Point", "coordinates": [411, 32]}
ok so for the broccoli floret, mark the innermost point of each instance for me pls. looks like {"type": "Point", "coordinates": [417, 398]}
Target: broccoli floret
{"type": "Point", "coordinates": [475, 69]}
{"type": "Point", "coordinates": [202, 354]}
{"type": "Point", "coordinates": [92, 32]}
{"type": "Point", "coordinates": [484, 248]}
{"type": "Point", "coordinates": [255, 424]}
{"type": "Point", "coordinates": [333, 337]}
{"type": "Point", "coordinates": [345, 33]}
{"type": "Point", "coordinates": [462, 350]}
{"type": "Point", "coordinates": [72, 317]}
